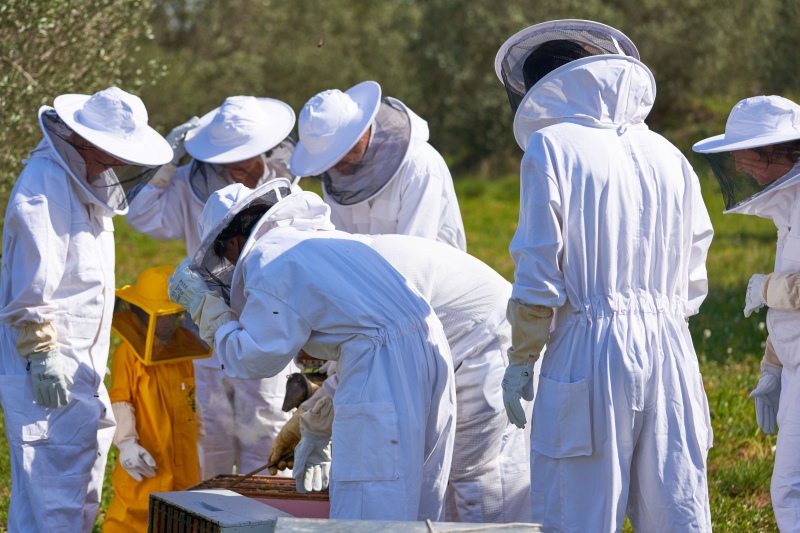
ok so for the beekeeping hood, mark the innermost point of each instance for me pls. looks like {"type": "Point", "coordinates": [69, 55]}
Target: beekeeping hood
{"type": "Point", "coordinates": [115, 122]}
{"type": "Point", "coordinates": [220, 210]}
{"type": "Point", "coordinates": [760, 121]}
{"type": "Point", "coordinates": [243, 127]}
{"type": "Point", "coordinates": [331, 124]}
{"type": "Point", "coordinates": [158, 330]}
{"type": "Point", "coordinates": [593, 37]}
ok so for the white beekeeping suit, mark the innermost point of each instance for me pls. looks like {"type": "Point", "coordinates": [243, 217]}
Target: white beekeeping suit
{"type": "Point", "coordinates": [298, 283]}
{"type": "Point", "coordinates": [379, 173]}
{"type": "Point", "coordinates": [242, 417]}
{"type": "Point", "coordinates": [490, 475]}
{"type": "Point", "coordinates": [57, 301]}
{"type": "Point", "coordinates": [757, 162]}
{"type": "Point", "coordinates": [613, 235]}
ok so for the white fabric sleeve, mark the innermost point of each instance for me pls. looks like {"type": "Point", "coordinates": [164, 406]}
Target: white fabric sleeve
{"type": "Point", "coordinates": [702, 234]}
{"type": "Point", "coordinates": [125, 415]}
{"type": "Point", "coordinates": [35, 244]}
{"type": "Point", "coordinates": [163, 212]}
{"type": "Point", "coordinates": [422, 197]}
{"type": "Point", "coordinates": [264, 340]}
{"type": "Point", "coordinates": [538, 245]}
{"type": "Point", "coordinates": [201, 422]}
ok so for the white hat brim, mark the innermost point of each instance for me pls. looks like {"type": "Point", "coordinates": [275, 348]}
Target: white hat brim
{"type": "Point", "coordinates": [367, 95]}
{"type": "Point", "coordinates": [148, 148]}
{"type": "Point", "coordinates": [281, 115]}
{"type": "Point", "coordinates": [719, 143]}
{"type": "Point", "coordinates": [573, 24]}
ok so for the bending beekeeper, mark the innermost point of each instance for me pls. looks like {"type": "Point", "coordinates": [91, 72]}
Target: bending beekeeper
{"type": "Point", "coordinates": [490, 474]}
{"type": "Point", "coordinates": [245, 140]}
{"type": "Point", "coordinates": [613, 235]}
{"type": "Point", "coordinates": [297, 282]}
{"type": "Point", "coordinates": [57, 301]}
{"type": "Point", "coordinates": [379, 173]}
{"type": "Point", "coordinates": [756, 163]}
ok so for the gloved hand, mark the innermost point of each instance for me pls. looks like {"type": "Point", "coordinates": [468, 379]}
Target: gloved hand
{"type": "Point", "coordinates": [767, 395]}
{"type": "Point", "coordinates": [285, 441]}
{"type": "Point", "coordinates": [517, 383]}
{"type": "Point", "coordinates": [50, 383]}
{"type": "Point", "coordinates": [312, 462]}
{"type": "Point", "coordinates": [136, 460]}
{"type": "Point", "coordinates": [186, 287]}
{"type": "Point", "coordinates": [328, 367]}
{"type": "Point", "coordinates": [530, 331]}
{"type": "Point", "coordinates": [176, 137]}
{"type": "Point", "coordinates": [755, 294]}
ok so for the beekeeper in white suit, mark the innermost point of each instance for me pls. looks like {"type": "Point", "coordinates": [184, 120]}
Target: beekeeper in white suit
{"type": "Point", "coordinates": [756, 163]}
{"type": "Point", "coordinates": [245, 140]}
{"type": "Point", "coordinates": [490, 475]}
{"type": "Point", "coordinates": [613, 235]}
{"type": "Point", "coordinates": [297, 282]}
{"type": "Point", "coordinates": [57, 301]}
{"type": "Point", "coordinates": [378, 172]}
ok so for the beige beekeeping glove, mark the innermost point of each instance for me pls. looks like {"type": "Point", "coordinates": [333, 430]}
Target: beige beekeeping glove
{"type": "Point", "coordinates": [782, 290]}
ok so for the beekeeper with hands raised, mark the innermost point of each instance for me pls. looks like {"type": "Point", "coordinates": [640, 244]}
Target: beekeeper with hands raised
{"type": "Point", "coordinates": [245, 140]}
{"type": "Point", "coordinates": [756, 162]}
{"type": "Point", "coordinates": [613, 236]}
{"type": "Point", "coordinates": [58, 298]}
{"type": "Point", "coordinates": [296, 282]}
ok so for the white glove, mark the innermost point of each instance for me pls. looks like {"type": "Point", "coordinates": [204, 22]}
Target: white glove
{"type": "Point", "coordinates": [136, 460]}
{"type": "Point", "coordinates": [755, 294]}
{"type": "Point", "coordinates": [176, 137]}
{"type": "Point", "coordinates": [48, 378]}
{"type": "Point", "coordinates": [312, 462]}
{"type": "Point", "coordinates": [517, 383]}
{"type": "Point", "coordinates": [328, 367]}
{"type": "Point", "coordinates": [767, 395]}
{"type": "Point", "coordinates": [186, 287]}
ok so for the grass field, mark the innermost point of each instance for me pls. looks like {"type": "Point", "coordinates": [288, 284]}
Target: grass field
{"type": "Point", "coordinates": [728, 345]}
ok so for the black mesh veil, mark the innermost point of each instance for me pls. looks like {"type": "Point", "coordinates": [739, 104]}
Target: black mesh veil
{"type": "Point", "coordinates": [240, 220]}
{"type": "Point", "coordinates": [387, 149]}
{"type": "Point", "coordinates": [205, 178]}
{"type": "Point", "coordinates": [738, 179]}
{"type": "Point", "coordinates": [114, 187]}
{"type": "Point", "coordinates": [588, 42]}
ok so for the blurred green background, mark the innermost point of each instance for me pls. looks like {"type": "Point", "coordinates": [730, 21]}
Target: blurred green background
{"type": "Point", "coordinates": [184, 57]}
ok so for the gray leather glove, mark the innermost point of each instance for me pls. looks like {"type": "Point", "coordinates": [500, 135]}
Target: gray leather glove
{"type": "Point", "coordinates": [767, 395]}
{"type": "Point", "coordinates": [49, 380]}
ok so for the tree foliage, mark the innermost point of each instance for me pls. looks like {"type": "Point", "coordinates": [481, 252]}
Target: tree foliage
{"type": "Point", "coordinates": [435, 55]}
{"type": "Point", "coordinates": [52, 47]}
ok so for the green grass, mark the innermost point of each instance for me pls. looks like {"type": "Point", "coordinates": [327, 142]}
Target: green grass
{"type": "Point", "coordinates": [728, 345]}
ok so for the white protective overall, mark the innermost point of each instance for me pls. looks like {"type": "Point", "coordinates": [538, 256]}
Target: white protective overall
{"type": "Point", "coordinates": [419, 199]}
{"type": "Point", "coordinates": [58, 455]}
{"type": "Point", "coordinates": [241, 417]}
{"type": "Point", "coordinates": [613, 234]}
{"type": "Point", "coordinates": [490, 475]}
{"type": "Point", "coordinates": [782, 206]}
{"type": "Point", "coordinates": [299, 283]}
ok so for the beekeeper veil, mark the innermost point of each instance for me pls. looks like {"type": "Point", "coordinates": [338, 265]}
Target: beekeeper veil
{"type": "Point", "coordinates": [156, 329]}
{"type": "Point", "coordinates": [232, 210]}
{"type": "Point", "coordinates": [534, 52]}
{"type": "Point", "coordinates": [758, 153]}
{"type": "Point", "coordinates": [333, 123]}
{"type": "Point", "coordinates": [105, 143]}
{"type": "Point", "coordinates": [244, 135]}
